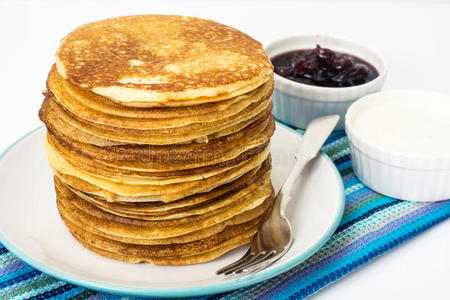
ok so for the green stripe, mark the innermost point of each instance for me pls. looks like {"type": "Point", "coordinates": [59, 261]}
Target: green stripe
{"type": "Point", "coordinates": [346, 171]}
{"type": "Point", "coordinates": [358, 205]}
{"type": "Point", "coordinates": [338, 148]}
{"type": "Point", "coordinates": [83, 295]}
{"type": "Point", "coordinates": [7, 259]}
{"type": "Point", "coordinates": [24, 287]}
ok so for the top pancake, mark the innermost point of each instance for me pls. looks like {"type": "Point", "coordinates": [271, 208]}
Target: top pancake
{"type": "Point", "coordinates": [161, 60]}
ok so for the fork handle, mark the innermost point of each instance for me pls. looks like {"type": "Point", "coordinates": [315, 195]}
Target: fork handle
{"type": "Point", "coordinates": [315, 135]}
{"type": "Point", "coordinates": [285, 194]}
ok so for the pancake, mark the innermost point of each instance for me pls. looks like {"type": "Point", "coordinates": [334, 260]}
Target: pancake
{"type": "Point", "coordinates": [205, 209]}
{"type": "Point", "coordinates": [159, 60]}
{"type": "Point", "coordinates": [118, 228]}
{"type": "Point", "coordinates": [187, 260]}
{"type": "Point", "coordinates": [66, 131]}
{"type": "Point", "coordinates": [174, 157]}
{"type": "Point", "coordinates": [206, 232]}
{"type": "Point", "coordinates": [65, 91]}
{"type": "Point", "coordinates": [89, 212]}
{"type": "Point", "coordinates": [69, 100]}
{"type": "Point", "coordinates": [228, 204]}
{"type": "Point", "coordinates": [226, 237]}
{"type": "Point", "coordinates": [97, 168]}
{"type": "Point", "coordinates": [194, 201]}
{"type": "Point", "coordinates": [196, 209]}
{"type": "Point", "coordinates": [62, 124]}
{"type": "Point", "coordinates": [51, 113]}
{"type": "Point", "coordinates": [166, 193]}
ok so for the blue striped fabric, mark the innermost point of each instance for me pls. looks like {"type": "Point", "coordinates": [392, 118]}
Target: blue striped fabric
{"type": "Point", "coordinates": [372, 225]}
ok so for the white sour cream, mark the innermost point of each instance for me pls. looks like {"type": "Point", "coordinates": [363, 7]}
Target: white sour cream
{"type": "Point", "coordinates": [407, 122]}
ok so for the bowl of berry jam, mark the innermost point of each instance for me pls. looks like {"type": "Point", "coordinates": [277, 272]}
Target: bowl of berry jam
{"type": "Point", "coordinates": [317, 75]}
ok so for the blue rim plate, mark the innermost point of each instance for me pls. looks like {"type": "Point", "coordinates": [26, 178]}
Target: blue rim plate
{"type": "Point", "coordinates": [289, 138]}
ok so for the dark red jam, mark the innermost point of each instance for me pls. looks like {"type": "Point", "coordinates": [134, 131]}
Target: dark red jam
{"type": "Point", "coordinates": [324, 67]}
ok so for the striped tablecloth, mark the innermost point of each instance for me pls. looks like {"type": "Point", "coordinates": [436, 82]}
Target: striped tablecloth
{"type": "Point", "coordinates": [372, 225]}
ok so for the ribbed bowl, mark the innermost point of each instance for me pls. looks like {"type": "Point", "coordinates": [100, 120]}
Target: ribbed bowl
{"type": "Point", "coordinates": [398, 175]}
{"type": "Point", "coordinates": [297, 104]}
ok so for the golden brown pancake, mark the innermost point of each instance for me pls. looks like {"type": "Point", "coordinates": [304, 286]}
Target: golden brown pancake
{"type": "Point", "coordinates": [260, 192]}
{"type": "Point", "coordinates": [71, 98]}
{"type": "Point", "coordinates": [122, 228]}
{"type": "Point", "coordinates": [193, 244]}
{"type": "Point", "coordinates": [166, 193]}
{"type": "Point", "coordinates": [205, 209]}
{"type": "Point", "coordinates": [98, 168]}
{"type": "Point", "coordinates": [226, 237]}
{"type": "Point", "coordinates": [180, 239]}
{"type": "Point", "coordinates": [186, 260]}
{"type": "Point", "coordinates": [63, 90]}
{"type": "Point", "coordinates": [161, 208]}
{"type": "Point", "coordinates": [197, 209]}
{"type": "Point", "coordinates": [53, 114]}
{"type": "Point", "coordinates": [152, 60]}
{"type": "Point", "coordinates": [156, 158]}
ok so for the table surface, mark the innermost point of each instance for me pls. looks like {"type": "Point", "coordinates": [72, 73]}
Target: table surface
{"type": "Point", "coordinates": [413, 37]}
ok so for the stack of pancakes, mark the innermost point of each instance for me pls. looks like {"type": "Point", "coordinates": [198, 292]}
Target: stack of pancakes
{"type": "Point", "coordinates": [158, 134]}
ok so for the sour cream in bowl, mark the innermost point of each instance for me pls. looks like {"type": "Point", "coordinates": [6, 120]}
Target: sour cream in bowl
{"type": "Point", "coordinates": [400, 143]}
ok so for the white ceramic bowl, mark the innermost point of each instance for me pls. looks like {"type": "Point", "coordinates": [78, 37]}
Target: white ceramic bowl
{"type": "Point", "coordinates": [401, 147]}
{"type": "Point", "coordinates": [297, 104]}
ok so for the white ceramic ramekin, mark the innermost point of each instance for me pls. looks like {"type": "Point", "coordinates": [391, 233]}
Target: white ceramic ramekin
{"type": "Point", "coordinates": [398, 174]}
{"type": "Point", "coordinates": [297, 104]}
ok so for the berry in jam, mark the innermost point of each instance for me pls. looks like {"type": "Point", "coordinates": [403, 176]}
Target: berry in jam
{"type": "Point", "coordinates": [324, 67]}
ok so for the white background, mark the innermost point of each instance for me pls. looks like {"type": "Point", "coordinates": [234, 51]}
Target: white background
{"type": "Point", "coordinates": [414, 37]}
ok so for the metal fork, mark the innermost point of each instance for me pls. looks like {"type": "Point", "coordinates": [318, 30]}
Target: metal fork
{"type": "Point", "coordinates": [274, 237]}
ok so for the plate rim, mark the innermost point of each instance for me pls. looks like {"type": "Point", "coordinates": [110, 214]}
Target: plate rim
{"type": "Point", "coordinates": [182, 291]}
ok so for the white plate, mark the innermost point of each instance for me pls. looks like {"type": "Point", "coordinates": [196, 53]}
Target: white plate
{"type": "Point", "coordinates": [31, 228]}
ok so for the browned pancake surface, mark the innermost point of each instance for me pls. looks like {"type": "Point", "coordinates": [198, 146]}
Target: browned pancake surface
{"type": "Point", "coordinates": [161, 50]}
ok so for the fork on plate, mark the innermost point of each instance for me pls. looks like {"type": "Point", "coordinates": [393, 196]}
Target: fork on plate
{"type": "Point", "coordinates": [274, 237]}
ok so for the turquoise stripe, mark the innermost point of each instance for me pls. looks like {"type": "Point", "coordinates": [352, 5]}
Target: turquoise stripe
{"type": "Point", "coordinates": [333, 144]}
{"type": "Point", "coordinates": [366, 208]}
{"type": "Point", "coordinates": [17, 269]}
{"type": "Point", "coordinates": [68, 294]}
{"type": "Point", "coordinates": [352, 189]}
{"type": "Point", "coordinates": [352, 182]}
{"type": "Point", "coordinates": [344, 165]}
{"type": "Point", "coordinates": [361, 196]}
{"type": "Point", "coordinates": [43, 289]}
{"type": "Point", "coordinates": [34, 276]}
{"type": "Point", "coordinates": [15, 279]}
{"type": "Point", "coordinates": [7, 259]}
